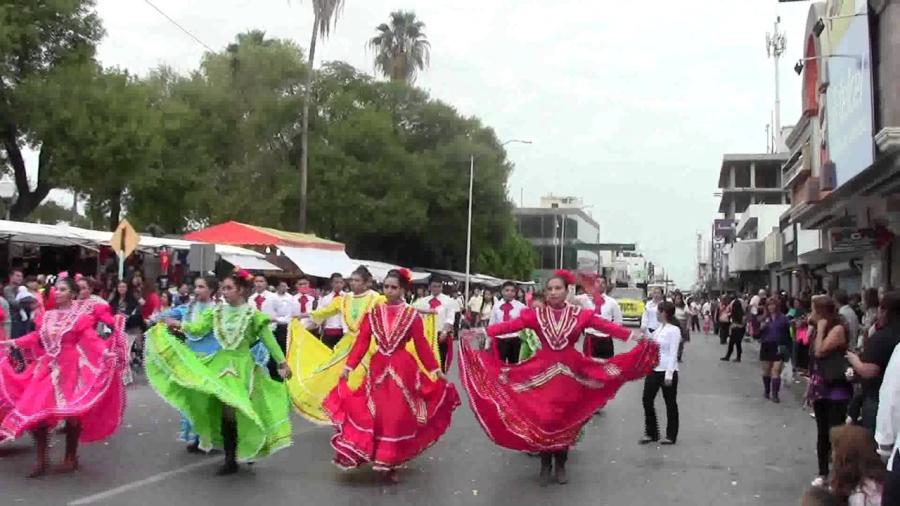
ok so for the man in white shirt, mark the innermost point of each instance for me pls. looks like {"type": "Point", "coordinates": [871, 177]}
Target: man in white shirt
{"type": "Point", "coordinates": [887, 428]}
{"type": "Point", "coordinates": [756, 300]}
{"type": "Point", "coordinates": [506, 310]}
{"type": "Point", "coordinates": [305, 296]}
{"type": "Point", "coordinates": [281, 307]}
{"type": "Point", "coordinates": [846, 311]}
{"type": "Point", "coordinates": [650, 319]}
{"type": "Point", "coordinates": [598, 344]}
{"type": "Point", "coordinates": [260, 292]}
{"type": "Point", "coordinates": [439, 315]}
{"type": "Point", "coordinates": [332, 328]}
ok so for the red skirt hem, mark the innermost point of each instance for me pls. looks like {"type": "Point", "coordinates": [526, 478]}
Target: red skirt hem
{"type": "Point", "coordinates": [542, 404]}
{"type": "Point", "coordinates": [356, 442]}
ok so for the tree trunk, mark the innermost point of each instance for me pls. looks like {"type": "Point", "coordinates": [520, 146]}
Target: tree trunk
{"type": "Point", "coordinates": [304, 132]}
{"type": "Point", "coordinates": [28, 199]}
{"type": "Point", "coordinates": [115, 210]}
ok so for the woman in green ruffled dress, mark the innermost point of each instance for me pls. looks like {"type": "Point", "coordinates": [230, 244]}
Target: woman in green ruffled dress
{"type": "Point", "coordinates": [231, 402]}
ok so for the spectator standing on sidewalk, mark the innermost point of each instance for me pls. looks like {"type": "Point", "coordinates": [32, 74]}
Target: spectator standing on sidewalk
{"type": "Point", "coordinates": [848, 314]}
{"type": "Point", "coordinates": [872, 363]}
{"type": "Point", "coordinates": [736, 331]}
{"type": "Point", "coordinates": [829, 391]}
{"type": "Point", "coordinates": [887, 428]}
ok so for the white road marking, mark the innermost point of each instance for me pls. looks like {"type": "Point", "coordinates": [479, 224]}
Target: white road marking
{"type": "Point", "coordinates": [156, 478]}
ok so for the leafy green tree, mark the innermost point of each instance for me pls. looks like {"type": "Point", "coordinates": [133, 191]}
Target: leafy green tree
{"type": "Point", "coordinates": [401, 47]}
{"type": "Point", "coordinates": [38, 39]}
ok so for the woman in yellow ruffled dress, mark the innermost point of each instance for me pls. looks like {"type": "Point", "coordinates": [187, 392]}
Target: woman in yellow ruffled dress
{"type": "Point", "coordinates": [316, 367]}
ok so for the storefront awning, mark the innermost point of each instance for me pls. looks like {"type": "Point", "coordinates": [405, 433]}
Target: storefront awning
{"type": "Point", "coordinates": [321, 263]}
{"type": "Point", "coordinates": [242, 234]}
{"type": "Point", "coordinates": [249, 263]}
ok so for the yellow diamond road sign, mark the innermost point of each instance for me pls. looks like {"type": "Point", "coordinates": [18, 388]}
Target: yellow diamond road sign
{"type": "Point", "coordinates": [124, 240]}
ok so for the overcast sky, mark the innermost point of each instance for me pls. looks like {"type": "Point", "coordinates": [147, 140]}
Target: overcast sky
{"type": "Point", "coordinates": [630, 105]}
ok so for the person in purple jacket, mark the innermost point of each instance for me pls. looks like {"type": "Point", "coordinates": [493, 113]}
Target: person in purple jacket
{"type": "Point", "coordinates": [774, 339]}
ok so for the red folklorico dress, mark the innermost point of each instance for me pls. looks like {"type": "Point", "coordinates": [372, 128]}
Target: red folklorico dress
{"type": "Point", "coordinates": [541, 404]}
{"type": "Point", "coordinates": [398, 411]}
{"type": "Point", "coordinates": [71, 373]}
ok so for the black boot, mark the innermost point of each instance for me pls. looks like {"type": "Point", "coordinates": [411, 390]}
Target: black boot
{"type": "Point", "coordinates": [229, 434]}
{"type": "Point", "coordinates": [767, 385]}
{"type": "Point", "coordinates": [561, 457]}
{"type": "Point", "coordinates": [41, 448]}
{"type": "Point", "coordinates": [546, 467]}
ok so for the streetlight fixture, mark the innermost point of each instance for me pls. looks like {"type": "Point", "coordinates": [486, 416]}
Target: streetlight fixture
{"type": "Point", "coordinates": [469, 227]}
{"type": "Point", "coordinates": [7, 192]}
{"type": "Point", "coordinates": [798, 67]}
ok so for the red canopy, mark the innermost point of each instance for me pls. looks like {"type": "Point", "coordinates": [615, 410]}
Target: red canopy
{"type": "Point", "coordinates": [241, 234]}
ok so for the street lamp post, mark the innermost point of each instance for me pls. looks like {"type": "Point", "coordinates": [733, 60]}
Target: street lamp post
{"type": "Point", "coordinates": [469, 227]}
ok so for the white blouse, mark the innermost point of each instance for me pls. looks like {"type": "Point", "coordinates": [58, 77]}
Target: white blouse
{"type": "Point", "coordinates": [668, 337]}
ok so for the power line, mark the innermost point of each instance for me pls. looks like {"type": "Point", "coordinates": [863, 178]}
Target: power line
{"type": "Point", "coordinates": [183, 29]}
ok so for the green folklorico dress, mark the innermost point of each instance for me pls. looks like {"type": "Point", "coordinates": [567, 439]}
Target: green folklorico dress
{"type": "Point", "coordinates": [199, 386]}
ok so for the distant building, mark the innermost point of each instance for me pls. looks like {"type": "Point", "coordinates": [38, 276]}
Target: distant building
{"type": "Point", "coordinates": [564, 236]}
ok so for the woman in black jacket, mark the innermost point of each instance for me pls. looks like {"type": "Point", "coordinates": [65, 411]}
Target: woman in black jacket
{"type": "Point", "coordinates": [125, 303]}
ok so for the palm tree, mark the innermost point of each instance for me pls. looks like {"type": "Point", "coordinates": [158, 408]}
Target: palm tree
{"type": "Point", "coordinates": [402, 48]}
{"type": "Point", "coordinates": [325, 14]}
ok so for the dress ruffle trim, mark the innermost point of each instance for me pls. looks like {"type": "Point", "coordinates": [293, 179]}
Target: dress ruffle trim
{"type": "Point", "coordinates": [165, 352]}
{"type": "Point", "coordinates": [356, 446]}
{"type": "Point", "coordinates": [108, 374]}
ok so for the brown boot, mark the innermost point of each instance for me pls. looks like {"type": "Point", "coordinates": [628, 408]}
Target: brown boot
{"type": "Point", "coordinates": [561, 457]}
{"type": "Point", "coordinates": [70, 462]}
{"type": "Point", "coordinates": [41, 448]}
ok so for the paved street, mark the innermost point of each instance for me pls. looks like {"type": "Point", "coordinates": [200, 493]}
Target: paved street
{"type": "Point", "coordinates": [734, 449]}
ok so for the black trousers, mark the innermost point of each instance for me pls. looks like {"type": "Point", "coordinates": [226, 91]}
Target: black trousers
{"type": "Point", "coordinates": [722, 329]}
{"type": "Point", "coordinates": [828, 414]}
{"type": "Point", "coordinates": [891, 493]}
{"type": "Point", "coordinates": [695, 323]}
{"type": "Point", "coordinates": [281, 332]}
{"type": "Point", "coordinates": [443, 348]}
{"type": "Point", "coordinates": [330, 337]}
{"type": "Point", "coordinates": [602, 347]}
{"type": "Point", "coordinates": [734, 342]}
{"type": "Point", "coordinates": [508, 350]}
{"type": "Point", "coordinates": [652, 385]}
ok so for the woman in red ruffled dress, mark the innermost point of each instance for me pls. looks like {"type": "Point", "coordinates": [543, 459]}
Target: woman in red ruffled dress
{"type": "Point", "coordinates": [70, 375]}
{"type": "Point", "coordinates": [540, 405]}
{"type": "Point", "coordinates": [399, 410]}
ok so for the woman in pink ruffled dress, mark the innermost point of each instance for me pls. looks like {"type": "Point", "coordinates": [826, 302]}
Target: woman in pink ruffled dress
{"type": "Point", "coordinates": [70, 374]}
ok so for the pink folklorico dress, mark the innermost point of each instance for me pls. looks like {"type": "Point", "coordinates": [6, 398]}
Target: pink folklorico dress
{"type": "Point", "coordinates": [541, 404]}
{"type": "Point", "coordinates": [70, 372]}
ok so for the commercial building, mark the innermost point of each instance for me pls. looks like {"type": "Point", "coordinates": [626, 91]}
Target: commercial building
{"type": "Point", "coordinates": [844, 168]}
{"type": "Point", "coordinates": [564, 236]}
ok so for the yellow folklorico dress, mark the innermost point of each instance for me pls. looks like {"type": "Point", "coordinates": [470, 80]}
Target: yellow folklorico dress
{"type": "Point", "coordinates": [316, 367]}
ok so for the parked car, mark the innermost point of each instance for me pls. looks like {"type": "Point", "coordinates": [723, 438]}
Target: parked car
{"type": "Point", "coordinates": [631, 301]}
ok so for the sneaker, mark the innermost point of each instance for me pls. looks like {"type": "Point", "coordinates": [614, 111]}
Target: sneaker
{"type": "Point", "coordinates": [647, 440]}
{"type": "Point", "coordinates": [667, 442]}
{"type": "Point", "coordinates": [724, 359]}
{"type": "Point", "coordinates": [818, 482]}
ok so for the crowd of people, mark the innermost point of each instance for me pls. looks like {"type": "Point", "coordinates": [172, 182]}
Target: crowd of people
{"type": "Point", "coordinates": [234, 353]}
{"type": "Point", "coordinates": [842, 346]}
{"type": "Point", "coordinates": [368, 357]}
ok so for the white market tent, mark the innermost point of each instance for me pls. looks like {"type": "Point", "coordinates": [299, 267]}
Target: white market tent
{"type": "Point", "coordinates": [66, 235]}
{"type": "Point", "coordinates": [380, 269]}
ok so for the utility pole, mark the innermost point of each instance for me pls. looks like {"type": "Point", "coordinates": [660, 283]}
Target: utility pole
{"type": "Point", "coordinates": [775, 46]}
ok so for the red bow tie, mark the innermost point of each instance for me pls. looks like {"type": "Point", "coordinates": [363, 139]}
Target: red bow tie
{"type": "Point", "coordinates": [434, 303]}
{"type": "Point", "coordinates": [507, 309]}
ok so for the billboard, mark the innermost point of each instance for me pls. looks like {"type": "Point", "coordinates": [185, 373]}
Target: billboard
{"type": "Point", "coordinates": [849, 107]}
{"type": "Point", "coordinates": [724, 229]}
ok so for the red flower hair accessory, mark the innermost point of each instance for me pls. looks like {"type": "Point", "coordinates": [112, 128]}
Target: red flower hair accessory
{"type": "Point", "coordinates": [243, 274]}
{"type": "Point", "coordinates": [567, 276]}
{"type": "Point", "coordinates": [405, 274]}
